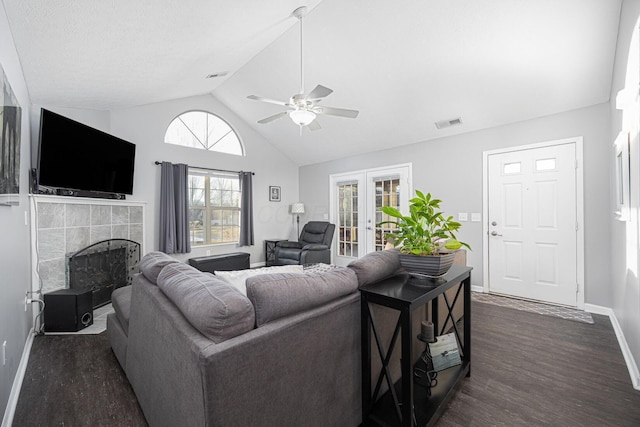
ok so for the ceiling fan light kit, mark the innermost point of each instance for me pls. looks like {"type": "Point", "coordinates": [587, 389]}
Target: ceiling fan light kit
{"type": "Point", "coordinates": [302, 117]}
{"type": "Point", "coordinates": [303, 108]}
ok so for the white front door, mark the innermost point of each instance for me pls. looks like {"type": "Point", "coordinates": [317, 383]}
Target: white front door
{"type": "Point", "coordinates": [532, 223]}
{"type": "Point", "coordinates": [356, 198]}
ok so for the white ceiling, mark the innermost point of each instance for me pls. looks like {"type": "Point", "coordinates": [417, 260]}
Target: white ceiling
{"type": "Point", "coordinates": [403, 64]}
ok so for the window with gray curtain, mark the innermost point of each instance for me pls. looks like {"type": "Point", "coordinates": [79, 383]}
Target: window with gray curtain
{"type": "Point", "coordinates": [214, 207]}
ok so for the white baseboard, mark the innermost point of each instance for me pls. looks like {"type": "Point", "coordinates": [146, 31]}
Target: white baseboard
{"type": "Point", "coordinates": [624, 347]}
{"type": "Point", "coordinates": [10, 411]}
{"type": "Point", "coordinates": [477, 288]}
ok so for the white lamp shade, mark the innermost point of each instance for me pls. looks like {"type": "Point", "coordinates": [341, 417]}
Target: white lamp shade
{"type": "Point", "coordinates": [297, 208]}
{"type": "Point", "coordinates": [302, 117]}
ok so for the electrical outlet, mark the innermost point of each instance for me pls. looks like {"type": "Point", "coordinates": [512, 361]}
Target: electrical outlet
{"type": "Point", "coordinates": [208, 252]}
{"type": "Point", "coordinates": [26, 300]}
{"type": "Point", "coordinates": [4, 353]}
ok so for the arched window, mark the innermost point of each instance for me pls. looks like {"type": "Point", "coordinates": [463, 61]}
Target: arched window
{"type": "Point", "coordinates": [203, 130]}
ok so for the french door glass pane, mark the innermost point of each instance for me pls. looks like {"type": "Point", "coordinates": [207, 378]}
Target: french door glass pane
{"type": "Point", "coordinates": [387, 193]}
{"type": "Point", "coordinates": [348, 219]}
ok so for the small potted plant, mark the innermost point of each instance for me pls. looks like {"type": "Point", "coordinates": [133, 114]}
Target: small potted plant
{"type": "Point", "coordinates": [425, 237]}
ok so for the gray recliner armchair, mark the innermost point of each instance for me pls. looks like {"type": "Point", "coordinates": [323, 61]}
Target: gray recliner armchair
{"type": "Point", "coordinates": [313, 246]}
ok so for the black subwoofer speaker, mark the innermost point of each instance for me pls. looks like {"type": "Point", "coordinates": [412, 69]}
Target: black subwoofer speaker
{"type": "Point", "coordinates": [68, 310]}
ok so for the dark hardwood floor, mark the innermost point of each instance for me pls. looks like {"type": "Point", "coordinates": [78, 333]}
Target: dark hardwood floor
{"type": "Point", "coordinates": [527, 370]}
{"type": "Point", "coordinates": [75, 380]}
{"type": "Point", "coordinates": [532, 370]}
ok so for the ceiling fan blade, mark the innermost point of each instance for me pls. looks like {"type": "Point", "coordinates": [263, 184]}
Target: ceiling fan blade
{"type": "Point", "coordinates": [314, 125]}
{"type": "Point", "coordinates": [319, 92]}
{"type": "Point", "coordinates": [270, 101]}
{"type": "Point", "coordinates": [331, 111]}
{"type": "Point", "coordinates": [272, 118]}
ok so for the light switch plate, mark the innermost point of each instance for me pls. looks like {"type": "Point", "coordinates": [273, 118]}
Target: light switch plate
{"type": "Point", "coordinates": [463, 216]}
{"type": "Point", "coordinates": [476, 217]}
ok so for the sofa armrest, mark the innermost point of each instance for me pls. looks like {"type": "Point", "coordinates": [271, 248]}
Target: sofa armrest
{"type": "Point", "coordinates": [159, 336]}
{"type": "Point", "coordinates": [288, 244]}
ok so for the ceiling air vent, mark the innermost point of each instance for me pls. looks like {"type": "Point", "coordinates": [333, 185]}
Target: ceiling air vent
{"type": "Point", "coordinates": [214, 75]}
{"type": "Point", "coordinates": [448, 123]}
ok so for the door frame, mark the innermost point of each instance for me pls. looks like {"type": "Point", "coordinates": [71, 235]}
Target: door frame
{"type": "Point", "coordinates": [366, 202]}
{"type": "Point", "coordinates": [578, 142]}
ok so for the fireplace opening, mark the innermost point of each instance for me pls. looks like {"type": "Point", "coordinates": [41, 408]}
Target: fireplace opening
{"type": "Point", "coordinates": [103, 267]}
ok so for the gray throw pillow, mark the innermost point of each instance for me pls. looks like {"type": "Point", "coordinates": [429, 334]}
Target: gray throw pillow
{"type": "Point", "coordinates": [152, 264]}
{"type": "Point", "coordinates": [278, 295]}
{"type": "Point", "coordinates": [376, 266]}
{"type": "Point", "coordinates": [213, 307]}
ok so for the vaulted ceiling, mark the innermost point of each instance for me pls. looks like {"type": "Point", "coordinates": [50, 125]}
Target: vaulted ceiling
{"type": "Point", "coordinates": [403, 64]}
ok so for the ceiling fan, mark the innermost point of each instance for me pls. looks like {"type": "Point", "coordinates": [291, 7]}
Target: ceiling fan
{"type": "Point", "coordinates": [303, 109]}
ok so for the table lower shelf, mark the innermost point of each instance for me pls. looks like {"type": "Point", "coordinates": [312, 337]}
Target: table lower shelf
{"type": "Point", "coordinates": [427, 408]}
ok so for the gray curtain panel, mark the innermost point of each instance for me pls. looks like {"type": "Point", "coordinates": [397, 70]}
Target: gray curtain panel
{"type": "Point", "coordinates": [174, 208]}
{"type": "Point", "coordinates": [246, 209]}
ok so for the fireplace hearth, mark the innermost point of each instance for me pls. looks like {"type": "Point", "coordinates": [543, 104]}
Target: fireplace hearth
{"type": "Point", "coordinates": [103, 267]}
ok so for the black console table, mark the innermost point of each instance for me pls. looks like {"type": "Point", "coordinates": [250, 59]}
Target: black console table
{"type": "Point", "coordinates": [270, 251]}
{"type": "Point", "coordinates": [405, 294]}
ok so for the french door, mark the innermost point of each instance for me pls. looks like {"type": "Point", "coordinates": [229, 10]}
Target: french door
{"type": "Point", "coordinates": [356, 199]}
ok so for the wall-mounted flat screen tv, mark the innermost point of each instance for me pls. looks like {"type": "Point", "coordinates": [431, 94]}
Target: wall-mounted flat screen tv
{"type": "Point", "coordinates": [75, 159]}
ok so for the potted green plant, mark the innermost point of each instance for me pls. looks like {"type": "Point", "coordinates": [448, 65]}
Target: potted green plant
{"type": "Point", "coordinates": [425, 237]}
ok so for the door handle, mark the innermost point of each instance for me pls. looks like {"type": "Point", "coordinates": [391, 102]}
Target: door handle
{"type": "Point", "coordinates": [495, 233]}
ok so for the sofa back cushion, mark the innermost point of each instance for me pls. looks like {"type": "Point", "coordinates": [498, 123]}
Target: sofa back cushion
{"type": "Point", "coordinates": [278, 295]}
{"type": "Point", "coordinates": [152, 264]}
{"type": "Point", "coordinates": [376, 266]}
{"type": "Point", "coordinates": [213, 307]}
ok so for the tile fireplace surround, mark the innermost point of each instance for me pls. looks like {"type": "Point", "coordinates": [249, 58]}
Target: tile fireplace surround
{"type": "Point", "coordinates": [63, 225]}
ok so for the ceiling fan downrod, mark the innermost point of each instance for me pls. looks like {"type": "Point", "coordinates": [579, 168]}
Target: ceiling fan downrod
{"type": "Point", "coordinates": [299, 13]}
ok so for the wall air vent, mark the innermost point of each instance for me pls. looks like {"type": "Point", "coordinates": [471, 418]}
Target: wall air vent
{"type": "Point", "coordinates": [448, 123]}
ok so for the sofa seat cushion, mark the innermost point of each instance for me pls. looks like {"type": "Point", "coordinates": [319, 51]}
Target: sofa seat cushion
{"type": "Point", "coordinates": [238, 278]}
{"type": "Point", "coordinates": [278, 295]}
{"type": "Point", "coordinates": [213, 307]}
{"type": "Point", "coordinates": [121, 302]}
{"type": "Point", "coordinates": [376, 266]}
{"type": "Point", "coordinates": [152, 264]}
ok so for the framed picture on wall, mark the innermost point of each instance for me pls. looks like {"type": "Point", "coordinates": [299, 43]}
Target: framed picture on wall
{"type": "Point", "coordinates": [274, 193]}
{"type": "Point", "coordinates": [10, 123]}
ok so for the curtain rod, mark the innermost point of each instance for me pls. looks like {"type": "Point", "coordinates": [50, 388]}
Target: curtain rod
{"type": "Point", "coordinates": [209, 169]}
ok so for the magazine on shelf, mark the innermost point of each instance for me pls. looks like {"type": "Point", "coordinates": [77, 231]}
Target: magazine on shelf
{"type": "Point", "coordinates": [444, 352]}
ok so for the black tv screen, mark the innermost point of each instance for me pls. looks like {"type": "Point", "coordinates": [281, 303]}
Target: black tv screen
{"type": "Point", "coordinates": [74, 156]}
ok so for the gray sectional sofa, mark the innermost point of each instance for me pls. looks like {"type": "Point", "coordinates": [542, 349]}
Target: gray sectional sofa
{"type": "Point", "coordinates": [199, 353]}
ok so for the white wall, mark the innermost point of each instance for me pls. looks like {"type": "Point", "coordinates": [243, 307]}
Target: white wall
{"type": "Point", "coordinates": [624, 285]}
{"type": "Point", "coordinates": [146, 125]}
{"type": "Point", "coordinates": [451, 169]}
{"type": "Point", "coordinates": [15, 275]}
